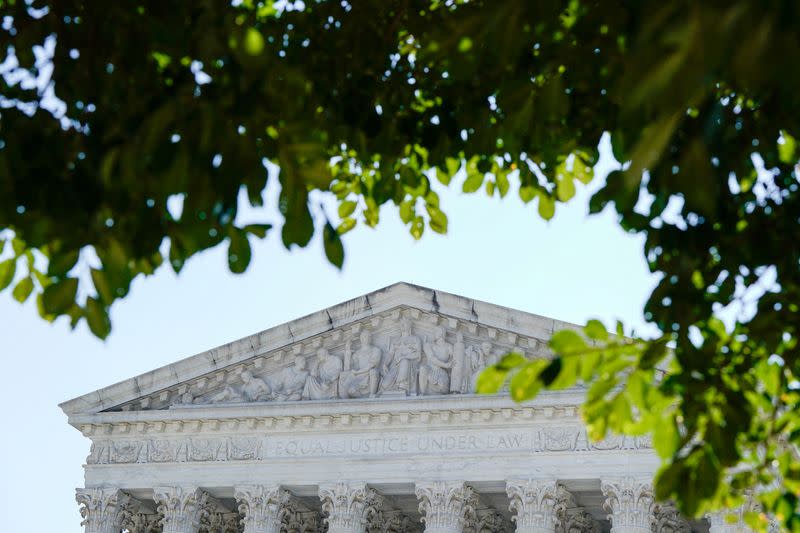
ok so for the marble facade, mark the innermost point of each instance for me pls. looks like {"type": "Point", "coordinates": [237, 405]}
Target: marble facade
{"type": "Point", "coordinates": [361, 418]}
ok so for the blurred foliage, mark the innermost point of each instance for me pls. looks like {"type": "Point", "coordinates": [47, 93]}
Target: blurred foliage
{"type": "Point", "coordinates": [134, 103]}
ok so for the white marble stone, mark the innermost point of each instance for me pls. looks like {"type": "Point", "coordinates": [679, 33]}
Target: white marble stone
{"type": "Point", "coordinates": [363, 415]}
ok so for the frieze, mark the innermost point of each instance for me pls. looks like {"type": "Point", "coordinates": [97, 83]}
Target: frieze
{"type": "Point", "coordinates": [257, 448]}
{"type": "Point", "coordinates": [398, 353]}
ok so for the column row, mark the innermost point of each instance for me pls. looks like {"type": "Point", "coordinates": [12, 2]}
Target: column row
{"type": "Point", "coordinates": [537, 506]}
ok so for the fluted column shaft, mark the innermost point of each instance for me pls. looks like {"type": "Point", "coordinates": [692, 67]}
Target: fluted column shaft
{"type": "Point", "coordinates": [347, 506]}
{"type": "Point", "coordinates": [444, 505]}
{"type": "Point", "coordinates": [535, 503]}
{"type": "Point", "coordinates": [630, 503]}
{"type": "Point", "coordinates": [262, 506]}
{"type": "Point", "coordinates": [102, 509]}
{"type": "Point", "coordinates": [181, 507]}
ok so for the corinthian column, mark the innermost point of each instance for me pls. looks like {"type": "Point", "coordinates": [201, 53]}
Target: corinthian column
{"type": "Point", "coordinates": [348, 506]}
{"type": "Point", "coordinates": [182, 508]}
{"type": "Point", "coordinates": [630, 502]}
{"type": "Point", "coordinates": [444, 505]}
{"type": "Point", "coordinates": [102, 509]}
{"type": "Point", "coordinates": [535, 504]}
{"type": "Point", "coordinates": [263, 507]}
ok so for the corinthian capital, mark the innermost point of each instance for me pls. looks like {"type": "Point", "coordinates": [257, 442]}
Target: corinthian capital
{"type": "Point", "coordinates": [182, 508]}
{"type": "Point", "coordinates": [263, 507]}
{"type": "Point", "coordinates": [348, 506]}
{"type": "Point", "coordinates": [630, 502]}
{"type": "Point", "coordinates": [536, 504]}
{"type": "Point", "coordinates": [444, 505]}
{"type": "Point", "coordinates": [102, 509]}
{"type": "Point", "coordinates": [732, 520]}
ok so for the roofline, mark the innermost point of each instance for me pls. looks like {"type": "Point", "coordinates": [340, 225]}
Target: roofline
{"type": "Point", "coordinates": [275, 338]}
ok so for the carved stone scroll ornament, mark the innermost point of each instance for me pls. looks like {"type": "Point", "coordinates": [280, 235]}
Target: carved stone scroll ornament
{"type": "Point", "coordinates": [667, 519]}
{"type": "Point", "coordinates": [348, 506]}
{"type": "Point", "coordinates": [102, 509]}
{"type": "Point", "coordinates": [536, 504]}
{"type": "Point", "coordinates": [221, 522]}
{"type": "Point", "coordinates": [577, 520]}
{"type": "Point", "coordinates": [392, 521]}
{"type": "Point", "coordinates": [183, 508]}
{"type": "Point", "coordinates": [630, 502]}
{"type": "Point", "coordinates": [263, 508]}
{"type": "Point", "coordinates": [138, 521]}
{"type": "Point", "coordinates": [444, 505]}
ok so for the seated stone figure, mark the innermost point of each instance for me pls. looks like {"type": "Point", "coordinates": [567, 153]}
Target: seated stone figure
{"type": "Point", "coordinates": [253, 389]}
{"type": "Point", "coordinates": [323, 384]}
{"type": "Point", "coordinates": [361, 369]}
{"type": "Point", "coordinates": [289, 383]}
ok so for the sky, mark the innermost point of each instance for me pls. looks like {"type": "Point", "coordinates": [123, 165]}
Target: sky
{"type": "Point", "coordinates": [573, 268]}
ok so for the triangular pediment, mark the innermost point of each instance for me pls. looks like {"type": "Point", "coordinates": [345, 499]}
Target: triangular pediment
{"type": "Point", "coordinates": [402, 340]}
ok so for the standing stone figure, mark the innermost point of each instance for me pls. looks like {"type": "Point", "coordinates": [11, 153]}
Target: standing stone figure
{"type": "Point", "coordinates": [400, 367]}
{"type": "Point", "coordinates": [323, 384]}
{"type": "Point", "coordinates": [479, 358]}
{"type": "Point", "coordinates": [434, 374]}
{"type": "Point", "coordinates": [290, 382]}
{"type": "Point", "coordinates": [361, 369]}
{"type": "Point", "coordinates": [460, 373]}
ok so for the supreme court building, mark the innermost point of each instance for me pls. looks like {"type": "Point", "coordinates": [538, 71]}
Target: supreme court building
{"type": "Point", "coordinates": [362, 418]}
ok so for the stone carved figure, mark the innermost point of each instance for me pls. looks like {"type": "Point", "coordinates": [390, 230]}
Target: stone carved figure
{"type": "Point", "coordinates": [434, 373]}
{"type": "Point", "coordinates": [289, 383]}
{"type": "Point", "coordinates": [323, 383]}
{"type": "Point", "coordinates": [361, 373]}
{"type": "Point", "coordinates": [253, 389]}
{"type": "Point", "coordinates": [478, 357]}
{"type": "Point", "coordinates": [401, 365]}
{"type": "Point", "coordinates": [460, 373]}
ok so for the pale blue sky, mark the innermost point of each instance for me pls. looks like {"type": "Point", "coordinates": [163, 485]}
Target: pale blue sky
{"type": "Point", "coordinates": [573, 268]}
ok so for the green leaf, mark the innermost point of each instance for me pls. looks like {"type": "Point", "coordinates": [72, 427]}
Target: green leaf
{"type": "Point", "coordinates": [526, 383]}
{"type": "Point", "coordinates": [491, 380]}
{"type": "Point", "coordinates": [60, 296]}
{"type": "Point", "coordinates": [238, 251]}
{"type": "Point", "coordinates": [588, 364]}
{"type": "Point", "coordinates": [596, 330]}
{"type": "Point", "coordinates": [259, 230]}
{"type": "Point", "coordinates": [547, 206]}
{"type": "Point", "coordinates": [7, 270]}
{"type": "Point", "coordinates": [444, 177]}
{"type": "Point", "coordinates": [438, 221]}
{"type": "Point", "coordinates": [102, 286]}
{"type": "Point", "coordinates": [417, 227]}
{"type": "Point", "coordinates": [527, 193]}
{"type": "Point", "coordinates": [23, 289]}
{"type": "Point", "coordinates": [334, 249]}
{"type": "Point", "coordinates": [567, 374]}
{"type": "Point", "coordinates": [60, 264]}
{"type": "Point", "coordinates": [567, 342]}
{"type": "Point", "coordinates": [346, 225]}
{"type": "Point", "coordinates": [253, 42]}
{"type": "Point", "coordinates": [511, 360]}
{"type": "Point", "coordinates": [347, 208]}
{"type": "Point", "coordinates": [473, 182]}
{"type": "Point", "coordinates": [565, 186]}
{"type": "Point", "coordinates": [666, 437]}
{"type": "Point", "coordinates": [97, 318]}
{"type": "Point", "coordinates": [787, 145]}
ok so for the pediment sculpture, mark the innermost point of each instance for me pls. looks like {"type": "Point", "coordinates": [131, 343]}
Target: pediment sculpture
{"type": "Point", "coordinates": [404, 363]}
